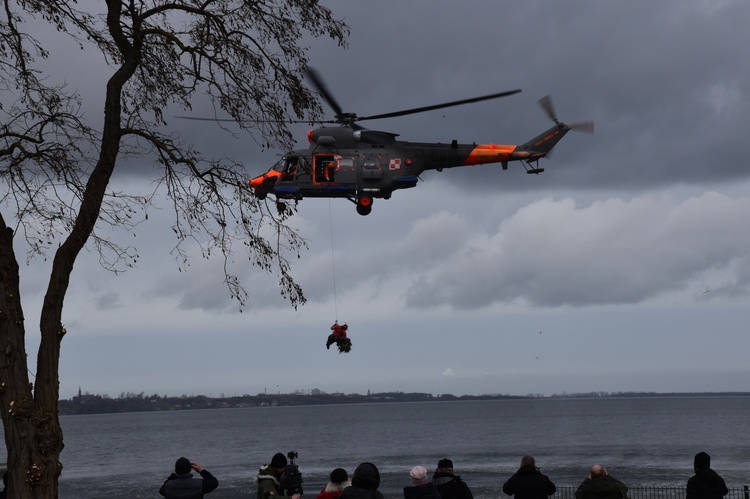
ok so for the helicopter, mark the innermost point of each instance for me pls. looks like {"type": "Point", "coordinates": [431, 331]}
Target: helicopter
{"type": "Point", "coordinates": [352, 162]}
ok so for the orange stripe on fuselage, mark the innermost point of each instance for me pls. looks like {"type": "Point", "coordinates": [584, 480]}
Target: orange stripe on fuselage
{"type": "Point", "coordinates": [489, 153]}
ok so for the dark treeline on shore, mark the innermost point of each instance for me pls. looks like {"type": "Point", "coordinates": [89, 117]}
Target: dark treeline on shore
{"type": "Point", "coordinates": [140, 402]}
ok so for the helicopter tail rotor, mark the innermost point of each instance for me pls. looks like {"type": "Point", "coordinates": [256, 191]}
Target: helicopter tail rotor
{"type": "Point", "coordinates": [541, 146]}
{"type": "Point", "coordinates": [583, 126]}
{"type": "Point", "coordinates": [549, 109]}
{"type": "Point", "coordinates": [546, 104]}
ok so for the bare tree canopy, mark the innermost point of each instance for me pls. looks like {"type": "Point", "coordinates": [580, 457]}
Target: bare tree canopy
{"type": "Point", "coordinates": [57, 164]}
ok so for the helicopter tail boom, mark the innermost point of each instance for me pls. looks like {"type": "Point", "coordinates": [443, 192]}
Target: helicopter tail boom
{"type": "Point", "coordinates": [543, 143]}
{"type": "Point", "coordinates": [536, 148]}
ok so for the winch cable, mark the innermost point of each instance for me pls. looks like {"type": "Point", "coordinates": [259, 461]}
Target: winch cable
{"type": "Point", "coordinates": [333, 263]}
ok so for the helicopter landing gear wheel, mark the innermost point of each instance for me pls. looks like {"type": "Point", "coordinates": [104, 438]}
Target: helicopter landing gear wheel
{"type": "Point", "coordinates": [364, 205]}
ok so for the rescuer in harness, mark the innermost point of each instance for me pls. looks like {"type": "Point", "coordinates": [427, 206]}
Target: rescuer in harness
{"type": "Point", "coordinates": [338, 336]}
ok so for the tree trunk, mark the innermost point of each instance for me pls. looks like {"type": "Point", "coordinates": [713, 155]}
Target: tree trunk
{"type": "Point", "coordinates": [33, 435]}
{"type": "Point", "coordinates": [32, 430]}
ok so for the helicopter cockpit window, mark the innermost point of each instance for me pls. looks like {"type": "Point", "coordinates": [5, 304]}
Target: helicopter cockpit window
{"type": "Point", "coordinates": [279, 166]}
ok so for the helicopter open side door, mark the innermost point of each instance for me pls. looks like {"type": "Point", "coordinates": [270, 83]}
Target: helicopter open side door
{"type": "Point", "coordinates": [334, 169]}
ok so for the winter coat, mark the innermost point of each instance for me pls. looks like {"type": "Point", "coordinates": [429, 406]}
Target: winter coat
{"type": "Point", "coordinates": [451, 486]}
{"type": "Point", "coordinates": [365, 483]}
{"type": "Point", "coordinates": [268, 482]}
{"type": "Point", "coordinates": [603, 487]}
{"type": "Point", "coordinates": [185, 486]}
{"type": "Point", "coordinates": [425, 491]}
{"type": "Point", "coordinates": [529, 483]}
{"type": "Point", "coordinates": [333, 490]}
{"type": "Point", "coordinates": [706, 484]}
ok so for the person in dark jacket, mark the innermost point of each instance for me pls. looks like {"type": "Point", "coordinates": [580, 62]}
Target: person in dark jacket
{"type": "Point", "coordinates": [365, 483]}
{"type": "Point", "coordinates": [182, 485]}
{"type": "Point", "coordinates": [528, 482]}
{"type": "Point", "coordinates": [421, 487]}
{"type": "Point", "coordinates": [706, 483]}
{"type": "Point", "coordinates": [449, 485]}
{"type": "Point", "coordinates": [600, 485]}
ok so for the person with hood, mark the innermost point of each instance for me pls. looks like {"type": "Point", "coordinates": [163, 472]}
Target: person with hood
{"type": "Point", "coordinates": [449, 485]}
{"type": "Point", "coordinates": [421, 487]}
{"type": "Point", "coordinates": [529, 482]}
{"type": "Point", "coordinates": [182, 485]}
{"type": "Point", "coordinates": [600, 485]}
{"type": "Point", "coordinates": [365, 483]}
{"type": "Point", "coordinates": [706, 483]}
{"type": "Point", "coordinates": [268, 482]}
{"type": "Point", "coordinates": [334, 488]}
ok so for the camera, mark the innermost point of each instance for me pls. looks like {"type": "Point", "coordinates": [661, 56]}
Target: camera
{"type": "Point", "coordinates": [291, 479]}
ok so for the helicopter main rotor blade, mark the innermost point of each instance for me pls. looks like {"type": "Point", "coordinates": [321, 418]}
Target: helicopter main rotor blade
{"type": "Point", "coordinates": [232, 120]}
{"type": "Point", "coordinates": [321, 87]}
{"type": "Point", "coordinates": [439, 106]}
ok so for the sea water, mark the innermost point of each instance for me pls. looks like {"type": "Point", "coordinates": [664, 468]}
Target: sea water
{"type": "Point", "coordinates": [642, 441]}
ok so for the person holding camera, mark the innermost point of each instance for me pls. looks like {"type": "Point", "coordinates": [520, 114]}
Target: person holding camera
{"type": "Point", "coordinates": [529, 482]}
{"type": "Point", "coordinates": [269, 479]}
{"type": "Point", "coordinates": [183, 485]}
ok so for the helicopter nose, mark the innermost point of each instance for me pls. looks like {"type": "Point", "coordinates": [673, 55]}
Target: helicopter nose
{"type": "Point", "coordinates": [258, 181]}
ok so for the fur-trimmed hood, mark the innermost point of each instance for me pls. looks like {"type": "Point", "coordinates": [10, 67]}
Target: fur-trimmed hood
{"type": "Point", "coordinates": [336, 487]}
{"type": "Point", "coordinates": [267, 473]}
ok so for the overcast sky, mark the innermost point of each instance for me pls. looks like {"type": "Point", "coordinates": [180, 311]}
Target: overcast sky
{"type": "Point", "coordinates": [624, 266]}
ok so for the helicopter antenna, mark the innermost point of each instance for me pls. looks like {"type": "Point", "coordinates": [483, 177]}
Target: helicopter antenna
{"type": "Point", "coordinates": [333, 264]}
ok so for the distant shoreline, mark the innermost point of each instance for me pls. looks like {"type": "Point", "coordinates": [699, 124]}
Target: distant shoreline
{"type": "Point", "coordinates": [132, 402]}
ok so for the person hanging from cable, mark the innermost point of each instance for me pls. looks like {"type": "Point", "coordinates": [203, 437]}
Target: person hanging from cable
{"type": "Point", "coordinates": [339, 337]}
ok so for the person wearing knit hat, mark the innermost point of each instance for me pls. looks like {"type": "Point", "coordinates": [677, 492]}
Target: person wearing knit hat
{"type": "Point", "coordinates": [706, 483]}
{"type": "Point", "coordinates": [421, 487]}
{"type": "Point", "coordinates": [268, 479]}
{"type": "Point", "coordinates": [182, 484]}
{"type": "Point", "coordinates": [334, 488]}
{"type": "Point", "coordinates": [450, 485]}
{"type": "Point", "coordinates": [279, 460]}
{"type": "Point", "coordinates": [365, 483]}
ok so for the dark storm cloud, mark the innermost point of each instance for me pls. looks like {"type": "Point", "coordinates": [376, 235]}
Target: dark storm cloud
{"type": "Point", "coordinates": [665, 83]}
{"type": "Point", "coordinates": [649, 211]}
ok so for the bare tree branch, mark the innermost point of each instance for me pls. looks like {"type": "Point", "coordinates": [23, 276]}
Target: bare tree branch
{"type": "Point", "coordinates": [57, 170]}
